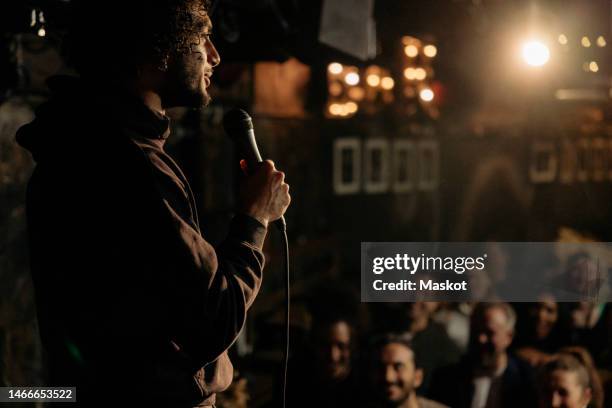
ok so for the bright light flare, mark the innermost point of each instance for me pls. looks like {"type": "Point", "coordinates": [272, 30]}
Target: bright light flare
{"type": "Point", "coordinates": [420, 74]}
{"type": "Point", "coordinates": [562, 39]}
{"type": "Point", "coordinates": [352, 78]}
{"type": "Point", "coordinates": [586, 43]}
{"type": "Point", "coordinates": [335, 68]}
{"type": "Point", "coordinates": [373, 80]}
{"type": "Point", "coordinates": [601, 41]}
{"type": "Point", "coordinates": [430, 51]}
{"type": "Point", "coordinates": [426, 95]}
{"type": "Point", "coordinates": [387, 83]}
{"type": "Point", "coordinates": [536, 53]}
{"type": "Point", "coordinates": [411, 50]}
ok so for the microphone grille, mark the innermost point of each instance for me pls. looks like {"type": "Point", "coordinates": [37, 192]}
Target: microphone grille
{"type": "Point", "coordinates": [237, 121]}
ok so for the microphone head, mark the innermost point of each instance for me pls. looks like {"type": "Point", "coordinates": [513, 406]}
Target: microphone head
{"type": "Point", "coordinates": [237, 122]}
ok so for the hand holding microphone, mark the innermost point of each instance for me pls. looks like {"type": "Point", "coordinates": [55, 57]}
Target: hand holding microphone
{"type": "Point", "coordinates": [263, 195]}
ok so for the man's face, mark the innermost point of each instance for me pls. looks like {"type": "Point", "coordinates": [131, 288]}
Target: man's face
{"type": "Point", "coordinates": [544, 315]}
{"type": "Point", "coordinates": [563, 390]}
{"type": "Point", "coordinates": [492, 335]}
{"type": "Point", "coordinates": [334, 348]}
{"type": "Point", "coordinates": [188, 75]}
{"type": "Point", "coordinates": [395, 376]}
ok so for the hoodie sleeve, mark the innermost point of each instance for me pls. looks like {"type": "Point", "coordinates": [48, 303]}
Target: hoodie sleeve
{"type": "Point", "coordinates": [209, 290]}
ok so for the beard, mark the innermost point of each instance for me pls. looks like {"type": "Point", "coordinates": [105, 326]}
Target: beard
{"type": "Point", "coordinates": [185, 85]}
{"type": "Point", "coordinates": [400, 400]}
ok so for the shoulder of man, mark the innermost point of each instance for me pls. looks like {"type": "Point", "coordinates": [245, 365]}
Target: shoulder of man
{"type": "Point", "coordinates": [427, 403]}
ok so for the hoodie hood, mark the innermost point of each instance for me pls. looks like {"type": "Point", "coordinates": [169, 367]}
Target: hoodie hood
{"type": "Point", "coordinates": [54, 119]}
{"type": "Point", "coordinates": [75, 118]}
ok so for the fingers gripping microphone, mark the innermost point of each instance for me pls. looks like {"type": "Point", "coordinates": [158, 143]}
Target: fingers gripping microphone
{"type": "Point", "coordinates": [239, 127]}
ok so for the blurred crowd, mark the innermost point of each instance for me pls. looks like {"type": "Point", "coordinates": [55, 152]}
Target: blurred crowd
{"type": "Point", "coordinates": [472, 355]}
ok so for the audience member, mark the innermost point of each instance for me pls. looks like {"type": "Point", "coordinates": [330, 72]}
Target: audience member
{"type": "Point", "coordinates": [564, 382]}
{"type": "Point", "coordinates": [395, 374]}
{"type": "Point", "coordinates": [429, 340]}
{"type": "Point", "coordinates": [322, 375]}
{"type": "Point", "coordinates": [538, 334]}
{"type": "Point", "coordinates": [488, 376]}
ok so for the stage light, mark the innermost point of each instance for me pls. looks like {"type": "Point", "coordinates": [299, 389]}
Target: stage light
{"type": "Point", "coordinates": [430, 51]}
{"type": "Point", "coordinates": [411, 50]}
{"type": "Point", "coordinates": [601, 41]}
{"type": "Point", "coordinates": [535, 53]}
{"type": "Point", "coordinates": [387, 83]}
{"type": "Point", "coordinates": [410, 73]}
{"type": "Point", "coordinates": [335, 68]}
{"type": "Point", "coordinates": [585, 42]}
{"type": "Point", "coordinates": [593, 67]}
{"type": "Point", "coordinates": [352, 78]}
{"type": "Point", "coordinates": [420, 74]}
{"type": "Point", "coordinates": [373, 80]}
{"type": "Point", "coordinates": [426, 95]}
{"type": "Point", "coordinates": [562, 39]}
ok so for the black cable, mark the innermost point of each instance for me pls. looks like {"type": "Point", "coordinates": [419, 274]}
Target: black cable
{"type": "Point", "coordinates": [282, 226]}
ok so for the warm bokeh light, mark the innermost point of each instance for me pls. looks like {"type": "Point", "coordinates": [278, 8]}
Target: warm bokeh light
{"type": "Point", "coordinates": [426, 95]}
{"type": "Point", "coordinates": [420, 74]}
{"type": "Point", "coordinates": [562, 39]}
{"type": "Point", "coordinates": [430, 51]}
{"type": "Point", "coordinates": [411, 50]}
{"type": "Point", "coordinates": [335, 88]}
{"type": "Point", "coordinates": [356, 93]}
{"type": "Point", "coordinates": [601, 41]}
{"type": "Point", "coordinates": [410, 73]}
{"type": "Point", "coordinates": [352, 78]}
{"type": "Point", "coordinates": [535, 53]}
{"type": "Point", "coordinates": [351, 107]}
{"type": "Point", "coordinates": [387, 83]}
{"type": "Point", "coordinates": [373, 80]}
{"type": "Point", "coordinates": [335, 109]}
{"type": "Point", "coordinates": [335, 68]}
{"type": "Point", "coordinates": [42, 32]}
{"type": "Point", "coordinates": [593, 67]}
{"type": "Point", "coordinates": [585, 42]}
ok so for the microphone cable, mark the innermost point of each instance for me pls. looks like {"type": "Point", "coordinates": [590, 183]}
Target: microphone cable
{"type": "Point", "coordinates": [282, 227]}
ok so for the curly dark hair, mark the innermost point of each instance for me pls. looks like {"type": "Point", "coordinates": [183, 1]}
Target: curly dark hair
{"type": "Point", "coordinates": [112, 38]}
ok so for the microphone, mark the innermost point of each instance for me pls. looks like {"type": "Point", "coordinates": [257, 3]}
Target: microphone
{"type": "Point", "coordinates": [239, 127]}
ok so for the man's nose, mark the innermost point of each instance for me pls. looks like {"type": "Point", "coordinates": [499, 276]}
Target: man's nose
{"type": "Point", "coordinates": [389, 375]}
{"type": "Point", "coordinates": [335, 354]}
{"type": "Point", "coordinates": [555, 400]}
{"type": "Point", "coordinates": [213, 55]}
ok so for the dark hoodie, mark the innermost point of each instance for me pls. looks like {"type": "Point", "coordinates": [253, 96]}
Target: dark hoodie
{"type": "Point", "coordinates": [135, 307]}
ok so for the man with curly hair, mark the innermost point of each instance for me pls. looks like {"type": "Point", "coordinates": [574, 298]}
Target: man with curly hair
{"type": "Point", "coordinates": [135, 307]}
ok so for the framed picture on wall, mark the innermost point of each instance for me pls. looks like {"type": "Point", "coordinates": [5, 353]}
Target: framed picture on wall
{"type": "Point", "coordinates": [428, 165]}
{"type": "Point", "coordinates": [404, 166]}
{"type": "Point", "coordinates": [568, 161]}
{"type": "Point", "coordinates": [583, 151]}
{"type": "Point", "coordinates": [543, 163]}
{"type": "Point", "coordinates": [347, 165]}
{"type": "Point", "coordinates": [599, 156]}
{"type": "Point", "coordinates": [376, 158]}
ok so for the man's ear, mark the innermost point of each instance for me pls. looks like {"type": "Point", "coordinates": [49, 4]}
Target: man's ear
{"type": "Point", "coordinates": [588, 396]}
{"type": "Point", "coordinates": [418, 377]}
